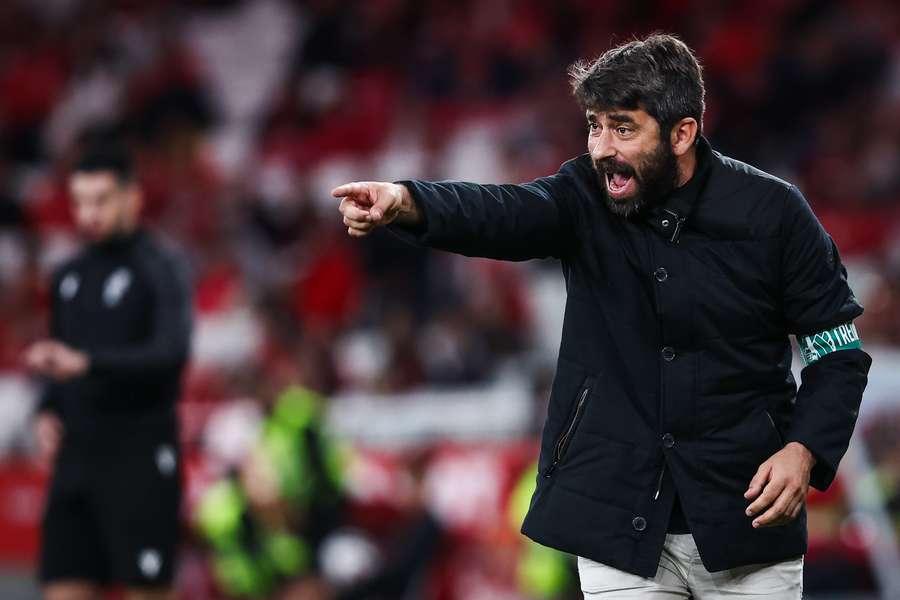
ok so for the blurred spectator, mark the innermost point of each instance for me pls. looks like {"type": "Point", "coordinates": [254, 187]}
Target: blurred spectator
{"type": "Point", "coordinates": [265, 524]}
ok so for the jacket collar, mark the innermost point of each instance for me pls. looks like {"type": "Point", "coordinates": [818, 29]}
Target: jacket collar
{"type": "Point", "coordinates": [669, 217]}
{"type": "Point", "coordinates": [117, 243]}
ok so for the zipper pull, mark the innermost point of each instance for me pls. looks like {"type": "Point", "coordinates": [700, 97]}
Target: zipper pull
{"type": "Point", "coordinates": [659, 482]}
{"type": "Point", "coordinates": [679, 223]}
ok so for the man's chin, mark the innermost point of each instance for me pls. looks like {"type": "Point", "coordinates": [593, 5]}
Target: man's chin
{"type": "Point", "coordinates": [628, 207]}
{"type": "Point", "coordinates": [94, 237]}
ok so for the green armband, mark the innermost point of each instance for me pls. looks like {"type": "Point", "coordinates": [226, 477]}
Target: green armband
{"type": "Point", "coordinates": [815, 346]}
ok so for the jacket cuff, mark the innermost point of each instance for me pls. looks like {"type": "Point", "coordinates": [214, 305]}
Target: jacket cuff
{"type": "Point", "coordinates": [826, 409]}
{"type": "Point", "coordinates": [822, 473]}
{"type": "Point", "coordinates": [416, 234]}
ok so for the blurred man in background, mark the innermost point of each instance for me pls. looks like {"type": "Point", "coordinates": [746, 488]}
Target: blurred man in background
{"type": "Point", "coordinates": [676, 433]}
{"type": "Point", "coordinates": [120, 326]}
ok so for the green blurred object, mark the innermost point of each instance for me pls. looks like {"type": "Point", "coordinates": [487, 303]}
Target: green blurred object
{"type": "Point", "coordinates": [542, 573]}
{"type": "Point", "coordinates": [219, 513]}
{"type": "Point", "coordinates": [249, 558]}
{"type": "Point", "coordinates": [241, 575]}
{"type": "Point", "coordinates": [295, 418]}
{"type": "Point", "coordinates": [244, 568]}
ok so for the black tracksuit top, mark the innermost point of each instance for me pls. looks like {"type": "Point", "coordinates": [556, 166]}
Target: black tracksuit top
{"type": "Point", "coordinates": [126, 303]}
{"type": "Point", "coordinates": [674, 367]}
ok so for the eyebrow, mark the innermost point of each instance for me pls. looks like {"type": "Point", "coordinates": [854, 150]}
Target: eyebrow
{"type": "Point", "coordinates": [617, 117]}
{"type": "Point", "coordinates": [622, 118]}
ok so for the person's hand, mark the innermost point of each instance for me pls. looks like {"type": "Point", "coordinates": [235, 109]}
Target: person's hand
{"type": "Point", "coordinates": [366, 205]}
{"type": "Point", "coordinates": [69, 363]}
{"type": "Point", "coordinates": [57, 360]}
{"type": "Point", "coordinates": [779, 486]}
{"type": "Point", "coordinates": [39, 356]}
{"type": "Point", "coordinates": [48, 433]}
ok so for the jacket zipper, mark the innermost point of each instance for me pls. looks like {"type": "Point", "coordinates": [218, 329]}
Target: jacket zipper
{"type": "Point", "coordinates": [562, 444]}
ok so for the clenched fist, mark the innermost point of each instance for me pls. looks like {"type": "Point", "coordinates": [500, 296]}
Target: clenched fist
{"type": "Point", "coordinates": [370, 204]}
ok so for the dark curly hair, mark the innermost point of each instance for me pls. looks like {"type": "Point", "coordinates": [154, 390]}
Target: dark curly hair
{"type": "Point", "coordinates": [106, 155]}
{"type": "Point", "coordinates": [658, 74]}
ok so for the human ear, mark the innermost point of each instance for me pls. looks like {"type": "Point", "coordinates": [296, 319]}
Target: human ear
{"type": "Point", "coordinates": [683, 135]}
{"type": "Point", "coordinates": [134, 199]}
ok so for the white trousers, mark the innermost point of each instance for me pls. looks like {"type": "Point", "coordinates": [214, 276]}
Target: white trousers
{"type": "Point", "coordinates": [681, 575]}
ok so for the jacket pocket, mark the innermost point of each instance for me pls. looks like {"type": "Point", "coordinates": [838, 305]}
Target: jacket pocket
{"type": "Point", "coordinates": [568, 432]}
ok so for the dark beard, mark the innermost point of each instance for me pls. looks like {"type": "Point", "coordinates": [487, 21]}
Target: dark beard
{"type": "Point", "coordinates": [656, 176]}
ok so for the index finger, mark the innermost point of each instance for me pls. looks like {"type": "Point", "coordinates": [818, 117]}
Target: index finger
{"type": "Point", "coordinates": [356, 190]}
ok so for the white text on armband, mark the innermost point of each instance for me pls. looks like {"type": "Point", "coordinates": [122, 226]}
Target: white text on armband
{"type": "Point", "coordinates": [815, 346]}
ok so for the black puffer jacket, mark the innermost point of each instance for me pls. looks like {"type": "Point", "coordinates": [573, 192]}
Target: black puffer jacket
{"type": "Point", "coordinates": [675, 357]}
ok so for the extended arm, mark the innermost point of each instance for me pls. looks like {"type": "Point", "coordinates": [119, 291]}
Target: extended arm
{"type": "Point", "coordinates": [512, 222]}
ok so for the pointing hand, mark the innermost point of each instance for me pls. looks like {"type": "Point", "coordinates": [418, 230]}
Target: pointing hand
{"type": "Point", "coordinates": [366, 205]}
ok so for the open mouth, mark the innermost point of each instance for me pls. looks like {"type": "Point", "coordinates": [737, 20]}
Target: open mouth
{"type": "Point", "coordinates": [619, 184]}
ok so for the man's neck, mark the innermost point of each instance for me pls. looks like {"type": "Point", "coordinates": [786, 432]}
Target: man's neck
{"type": "Point", "coordinates": [687, 165]}
{"type": "Point", "coordinates": [119, 238]}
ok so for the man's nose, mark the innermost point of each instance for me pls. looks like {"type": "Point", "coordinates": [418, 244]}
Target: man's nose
{"type": "Point", "coordinates": [601, 146]}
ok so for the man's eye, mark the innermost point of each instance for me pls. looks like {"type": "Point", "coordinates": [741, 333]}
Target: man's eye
{"type": "Point", "coordinates": [592, 126]}
{"type": "Point", "coordinates": [623, 130]}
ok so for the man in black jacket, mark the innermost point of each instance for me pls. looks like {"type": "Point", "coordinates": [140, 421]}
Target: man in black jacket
{"type": "Point", "coordinates": [675, 432]}
{"type": "Point", "coordinates": [120, 326]}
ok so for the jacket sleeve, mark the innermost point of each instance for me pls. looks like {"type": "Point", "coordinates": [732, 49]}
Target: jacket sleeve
{"type": "Point", "coordinates": [816, 297]}
{"type": "Point", "coordinates": [509, 222]}
{"type": "Point", "coordinates": [169, 342]}
{"type": "Point", "coordinates": [49, 399]}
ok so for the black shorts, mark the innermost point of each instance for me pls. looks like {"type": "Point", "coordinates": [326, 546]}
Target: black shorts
{"type": "Point", "coordinates": [112, 510]}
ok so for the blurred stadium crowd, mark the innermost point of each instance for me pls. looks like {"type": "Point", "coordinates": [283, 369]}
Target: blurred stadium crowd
{"type": "Point", "coordinates": [244, 113]}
